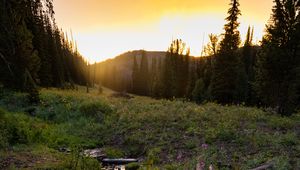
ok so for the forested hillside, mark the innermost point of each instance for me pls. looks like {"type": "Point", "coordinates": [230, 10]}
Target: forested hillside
{"type": "Point", "coordinates": [123, 68]}
{"type": "Point", "coordinates": [116, 73]}
{"type": "Point", "coordinates": [34, 51]}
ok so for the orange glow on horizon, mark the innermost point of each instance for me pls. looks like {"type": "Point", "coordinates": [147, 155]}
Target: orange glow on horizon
{"type": "Point", "coordinates": [103, 29]}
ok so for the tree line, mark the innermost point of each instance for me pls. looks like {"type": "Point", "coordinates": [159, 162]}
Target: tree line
{"type": "Point", "coordinates": [34, 51]}
{"type": "Point", "coordinates": [264, 75]}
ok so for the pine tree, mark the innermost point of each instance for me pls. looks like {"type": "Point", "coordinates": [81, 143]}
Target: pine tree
{"type": "Point", "coordinates": [224, 81]}
{"type": "Point", "coordinates": [247, 52]}
{"type": "Point", "coordinates": [192, 79]}
{"type": "Point", "coordinates": [199, 91]}
{"type": "Point", "coordinates": [185, 73]}
{"type": "Point", "coordinates": [278, 62]}
{"type": "Point", "coordinates": [135, 74]}
{"type": "Point", "coordinates": [16, 47]}
{"type": "Point", "coordinates": [58, 64]}
{"type": "Point", "coordinates": [33, 50]}
{"type": "Point", "coordinates": [144, 75]}
{"type": "Point", "coordinates": [211, 51]}
{"type": "Point", "coordinates": [167, 76]}
{"type": "Point", "coordinates": [153, 77]}
{"type": "Point", "coordinates": [175, 74]}
{"type": "Point", "coordinates": [249, 61]}
{"type": "Point", "coordinates": [158, 86]}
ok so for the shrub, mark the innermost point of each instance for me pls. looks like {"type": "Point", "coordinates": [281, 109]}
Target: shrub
{"type": "Point", "coordinates": [289, 139]}
{"type": "Point", "coordinates": [135, 144]}
{"type": "Point", "coordinates": [12, 131]}
{"type": "Point", "coordinates": [18, 128]}
{"type": "Point", "coordinates": [100, 90]}
{"type": "Point", "coordinates": [25, 129]}
{"type": "Point", "coordinates": [13, 101]}
{"type": "Point", "coordinates": [282, 163]}
{"type": "Point", "coordinates": [281, 123]}
{"type": "Point", "coordinates": [96, 110]}
{"type": "Point", "coordinates": [171, 167]}
{"type": "Point", "coordinates": [199, 91]}
{"type": "Point", "coordinates": [153, 155]}
{"type": "Point", "coordinates": [3, 131]}
{"type": "Point", "coordinates": [77, 161]}
{"type": "Point", "coordinates": [33, 96]}
{"type": "Point", "coordinates": [223, 132]}
{"type": "Point", "coordinates": [255, 161]}
{"type": "Point", "coordinates": [132, 166]}
{"type": "Point", "coordinates": [113, 153]}
{"type": "Point", "coordinates": [190, 144]}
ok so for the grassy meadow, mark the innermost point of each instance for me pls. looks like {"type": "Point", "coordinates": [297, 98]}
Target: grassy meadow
{"type": "Point", "coordinates": [162, 134]}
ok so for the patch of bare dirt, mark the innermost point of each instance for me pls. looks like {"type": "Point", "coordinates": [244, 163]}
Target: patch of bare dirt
{"type": "Point", "coordinates": [24, 160]}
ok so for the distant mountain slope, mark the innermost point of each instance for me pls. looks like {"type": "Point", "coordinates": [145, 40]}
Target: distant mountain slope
{"type": "Point", "coordinates": [119, 69]}
{"type": "Point", "coordinates": [126, 59]}
{"type": "Point", "coordinates": [116, 73]}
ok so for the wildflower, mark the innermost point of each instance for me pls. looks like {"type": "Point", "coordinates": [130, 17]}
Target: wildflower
{"type": "Point", "coordinates": [204, 146]}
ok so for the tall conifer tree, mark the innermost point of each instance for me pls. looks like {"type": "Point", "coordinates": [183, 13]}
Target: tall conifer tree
{"type": "Point", "coordinates": [277, 75]}
{"type": "Point", "coordinates": [144, 75]}
{"type": "Point", "coordinates": [135, 72]}
{"type": "Point", "coordinates": [224, 82]}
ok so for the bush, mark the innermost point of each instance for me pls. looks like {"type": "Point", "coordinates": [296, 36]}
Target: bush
{"type": "Point", "coordinates": [100, 90]}
{"type": "Point", "coordinates": [282, 123]}
{"type": "Point", "coordinates": [96, 110]}
{"type": "Point", "coordinates": [134, 143]}
{"type": "Point", "coordinates": [33, 96]}
{"type": "Point", "coordinates": [12, 131]}
{"type": "Point", "coordinates": [282, 163]}
{"type": "Point", "coordinates": [132, 166]}
{"type": "Point", "coordinates": [171, 167]}
{"type": "Point", "coordinates": [153, 155]}
{"type": "Point", "coordinates": [289, 139]}
{"type": "Point", "coordinates": [17, 128]}
{"type": "Point", "coordinates": [3, 131]}
{"type": "Point", "coordinates": [26, 130]}
{"type": "Point", "coordinates": [13, 101]}
{"type": "Point", "coordinates": [198, 92]}
{"type": "Point", "coordinates": [113, 153]}
{"type": "Point", "coordinates": [78, 161]}
{"type": "Point", "coordinates": [190, 144]}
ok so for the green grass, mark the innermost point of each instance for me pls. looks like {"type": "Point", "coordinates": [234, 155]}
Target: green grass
{"type": "Point", "coordinates": [165, 134]}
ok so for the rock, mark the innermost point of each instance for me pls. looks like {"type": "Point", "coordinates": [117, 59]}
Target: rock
{"type": "Point", "coordinates": [94, 153]}
{"type": "Point", "coordinates": [65, 150]}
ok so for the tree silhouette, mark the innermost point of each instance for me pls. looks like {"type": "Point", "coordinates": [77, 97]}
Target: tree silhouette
{"type": "Point", "coordinates": [277, 77]}
{"type": "Point", "coordinates": [224, 81]}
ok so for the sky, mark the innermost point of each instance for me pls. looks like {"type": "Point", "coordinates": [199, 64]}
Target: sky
{"type": "Point", "coordinates": [106, 28]}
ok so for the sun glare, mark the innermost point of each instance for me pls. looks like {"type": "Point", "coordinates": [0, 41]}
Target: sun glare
{"type": "Point", "coordinates": [106, 36]}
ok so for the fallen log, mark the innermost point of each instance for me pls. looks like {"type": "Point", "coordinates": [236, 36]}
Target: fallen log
{"type": "Point", "coordinates": [120, 161]}
{"type": "Point", "coordinates": [265, 166]}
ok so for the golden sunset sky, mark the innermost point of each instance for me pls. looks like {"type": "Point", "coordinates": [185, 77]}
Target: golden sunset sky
{"type": "Point", "coordinates": [106, 28]}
